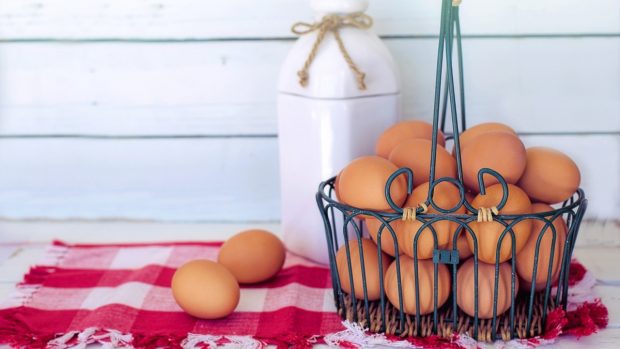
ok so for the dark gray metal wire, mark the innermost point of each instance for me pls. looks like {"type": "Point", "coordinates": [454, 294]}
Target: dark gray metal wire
{"type": "Point", "coordinates": [573, 209]}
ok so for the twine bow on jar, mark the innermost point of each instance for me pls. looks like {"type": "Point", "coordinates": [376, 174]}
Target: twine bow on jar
{"type": "Point", "coordinates": [331, 23]}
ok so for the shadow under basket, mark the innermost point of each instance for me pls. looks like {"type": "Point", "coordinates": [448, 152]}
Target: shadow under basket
{"type": "Point", "coordinates": [446, 328]}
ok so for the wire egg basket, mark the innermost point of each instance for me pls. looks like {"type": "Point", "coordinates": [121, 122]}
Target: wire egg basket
{"type": "Point", "coordinates": [526, 316]}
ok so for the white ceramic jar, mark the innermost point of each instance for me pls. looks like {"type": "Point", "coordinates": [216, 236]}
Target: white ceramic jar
{"type": "Point", "coordinates": [329, 122]}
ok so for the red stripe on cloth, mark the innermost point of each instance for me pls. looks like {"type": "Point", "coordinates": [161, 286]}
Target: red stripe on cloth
{"type": "Point", "coordinates": [125, 287]}
{"type": "Point", "coordinates": [94, 286]}
{"type": "Point", "coordinates": [35, 327]}
{"type": "Point", "coordinates": [161, 276]}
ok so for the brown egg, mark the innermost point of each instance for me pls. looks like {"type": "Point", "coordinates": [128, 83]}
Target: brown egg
{"type": "Point", "coordinates": [500, 151]}
{"type": "Point", "coordinates": [550, 176]}
{"type": "Point", "coordinates": [525, 258]}
{"type": "Point", "coordinates": [405, 130]}
{"type": "Point", "coordinates": [336, 187]}
{"type": "Point", "coordinates": [426, 285]}
{"type": "Point", "coordinates": [253, 255]}
{"type": "Point", "coordinates": [488, 233]}
{"type": "Point", "coordinates": [387, 242]}
{"type": "Point", "coordinates": [461, 245]}
{"type": "Point", "coordinates": [465, 285]}
{"type": "Point", "coordinates": [371, 267]}
{"type": "Point", "coordinates": [446, 196]}
{"type": "Point", "coordinates": [461, 242]}
{"type": "Point", "coordinates": [205, 289]}
{"type": "Point", "coordinates": [473, 132]}
{"type": "Point", "coordinates": [362, 184]}
{"type": "Point", "coordinates": [469, 196]}
{"type": "Point", "coordinates": [415, 153]}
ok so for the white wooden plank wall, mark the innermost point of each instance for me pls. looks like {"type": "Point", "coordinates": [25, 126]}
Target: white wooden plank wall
{"type": "Point", "coordinates": [165, 109]}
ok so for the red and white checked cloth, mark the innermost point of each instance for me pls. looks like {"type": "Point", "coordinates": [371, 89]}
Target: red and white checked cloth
{"type": "Point", "coordinates": [119, 295]}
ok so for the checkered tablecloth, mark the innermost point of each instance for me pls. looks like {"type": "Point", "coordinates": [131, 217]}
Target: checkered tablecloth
{"type": "Point", "coordinates": [119, 296]}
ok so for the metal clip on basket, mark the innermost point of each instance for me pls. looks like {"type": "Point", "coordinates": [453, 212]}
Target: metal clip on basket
{"type": "Point", "coordinates": [527, 313]}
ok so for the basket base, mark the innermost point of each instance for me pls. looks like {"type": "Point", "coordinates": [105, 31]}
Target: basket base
{"type": "Point", "coordinates": [465, 323]}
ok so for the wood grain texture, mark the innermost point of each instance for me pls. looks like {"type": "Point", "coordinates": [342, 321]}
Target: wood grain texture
{"type": "Point", "coordinates": [196, 19]}
{"type": "Point", "coordinates": [204, 179]}
{"type": "Point", "coordinates": [178, 179]}
{"type": "Point", "coordinates": [229, 88]}
{"type": "Point", "coordinates": [165, 109]}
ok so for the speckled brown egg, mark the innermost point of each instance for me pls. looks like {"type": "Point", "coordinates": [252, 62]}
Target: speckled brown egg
{"type": "Point", "coordinates": [415, 154]}
{"type": "Point", "coordinates": [500, 151]}
{"type": "Point", "coordinates": [550, 176]}
{"type": "Point", "coordinates": [465, 286]}
{"type": "Point", "coordinates": [253, 255]}
{"type": "Point", "coordinates": [362, 184]}
{"type": "Point", "coordinates": [488, 233]}
{"type": "Point", "coordinates": [371, 268]}
{"type": "Point", "coordinates": [525, 258]}
{"type": "Point", "coordinates": [473, 132]}
{"type": "Point", "coordinates": [405, 130]}
{"type": "Point", "coordinates": [426, 284]}
{"type": "Point", "coordinates": [205, 289]}
{"type": "Point", "coordinates": [446, 196]}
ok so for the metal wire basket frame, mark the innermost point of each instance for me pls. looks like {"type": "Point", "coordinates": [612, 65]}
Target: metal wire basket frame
{"type": "Point", "coordinates": [572, 212]}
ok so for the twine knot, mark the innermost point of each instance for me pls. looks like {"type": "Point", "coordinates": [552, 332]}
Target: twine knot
{"type": "Point", "coordinates": [486, 214]}
{"type": "Point", "coordinates": [331, 23]}
{"type": "Point", "coordinates": [409, 213]}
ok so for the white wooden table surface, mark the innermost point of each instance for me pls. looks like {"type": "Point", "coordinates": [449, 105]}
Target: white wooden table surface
{"type": "Point", "coordinates": [22, 244]}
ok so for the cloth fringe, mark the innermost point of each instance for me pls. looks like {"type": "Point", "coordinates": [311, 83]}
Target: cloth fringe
{"type": "Point", "coordinates": [354, 336]}
{"type": "Point", "coordinates": [586, 320]}
{"type": "Point", "coordinates": [113, 339]}
{"type": "Point", "coordinates": [36, 276]}
{"type": "Point", "coordinates": [586, 314]}
{"type": "Point", "coordinates": [199, 341]}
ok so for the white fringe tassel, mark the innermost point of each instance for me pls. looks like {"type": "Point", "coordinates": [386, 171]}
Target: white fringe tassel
{"type": "Point", "coordinates": [20, 296]}
{"type": "Point", "coordinates": [81, 339]}
{"type": "Point", "coordinates": [112, 339]}
{"type": "Point", "coordinates": [54, 255]}
{"type": "Point", "coordinates": [582, 292]}
{"type": "Point", "coordinates": [465, 341]}
{"type": "Point", "coordinates": [198, 341]}
{"type": "Point", "coordinates": [355, 334]}
{"type": "Point", "coordinates": [523, 343]}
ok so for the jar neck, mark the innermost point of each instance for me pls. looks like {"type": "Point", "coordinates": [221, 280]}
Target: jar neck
{"type": "Point", "coordinates": [343, 7]}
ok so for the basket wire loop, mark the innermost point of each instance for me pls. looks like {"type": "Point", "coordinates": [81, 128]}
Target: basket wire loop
{"type": "Point", "coordinates": [381, 315]}
{"type": "Point", "coordinates": [547, 227]}
{"type": "Point", "coordinates": [388, 186]}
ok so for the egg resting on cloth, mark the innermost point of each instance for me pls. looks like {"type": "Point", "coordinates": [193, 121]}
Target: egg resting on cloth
{"type": "Point", "coordinates": [119, 295]}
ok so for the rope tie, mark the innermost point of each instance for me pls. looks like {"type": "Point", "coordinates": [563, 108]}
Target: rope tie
{"type": "Point", "coordinates": [331, 23]}
{"type": "Point", "coordinates": [456, 2]}
{"type": "Point", "coordinates": [486, 214]}
{"type": "Point", "coordinates": [409, 213]}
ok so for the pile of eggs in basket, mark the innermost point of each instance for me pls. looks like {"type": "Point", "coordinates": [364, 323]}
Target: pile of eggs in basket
{"type": "Point", "coordinates": [537, 178]}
